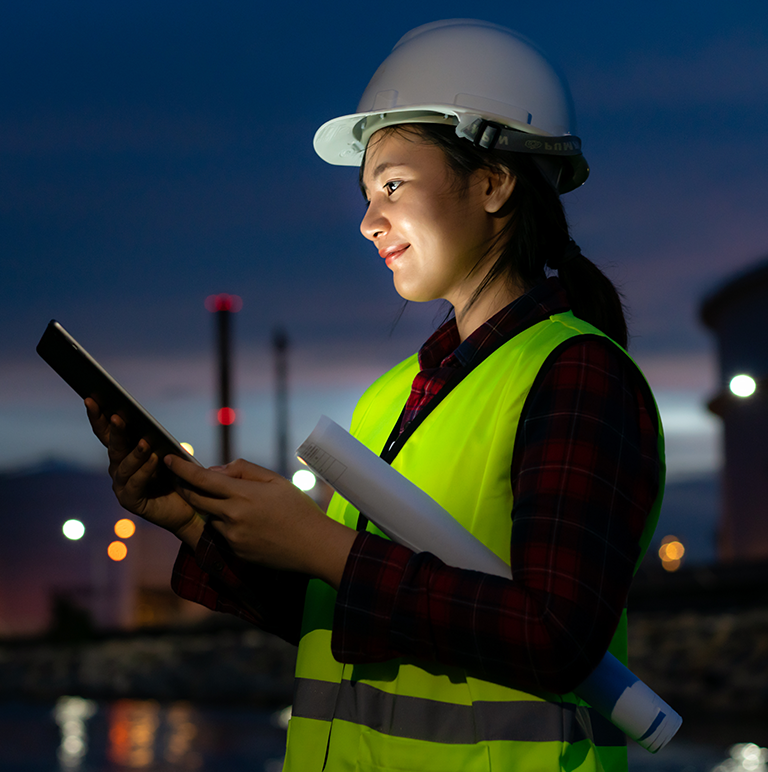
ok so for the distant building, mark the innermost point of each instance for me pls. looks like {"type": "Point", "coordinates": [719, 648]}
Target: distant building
{"type": "Point", "coordinates": [51, 584]}
{"type": "Point", "coordinates": [737, 313]}
{"type": "Point", "coordinates": [48, 580]}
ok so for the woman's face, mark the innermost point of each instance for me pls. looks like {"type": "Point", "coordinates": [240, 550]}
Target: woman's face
{"type": "Point", "coordinates": [429, 229]}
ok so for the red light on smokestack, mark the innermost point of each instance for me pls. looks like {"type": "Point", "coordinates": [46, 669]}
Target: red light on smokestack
{"type": "Point", "coordinates": [223, 302]}
{"type": "Point", "coordinates": [226, 416]}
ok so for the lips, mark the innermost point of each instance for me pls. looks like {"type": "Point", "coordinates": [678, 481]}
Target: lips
{"type": "Point", "coordinates": [390, 254]}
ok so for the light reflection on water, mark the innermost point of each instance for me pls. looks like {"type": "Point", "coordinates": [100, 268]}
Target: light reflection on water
{"type": "Point", "coordinates": [682, 756]}
{"type": "Point", "coordinates": [78, 735]}
{"type": "Point", "coordinates": [71, 714]}
{"type": "Point", "coordinates": [139, 734]}
{"type": "Point", "coordinates": [745, 756]}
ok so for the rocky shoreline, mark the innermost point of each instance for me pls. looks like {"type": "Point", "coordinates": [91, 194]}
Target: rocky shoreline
{"type": "Point", "coordinates": [712, 667]}
{"type": "Point", "coordinates": [232, 664]}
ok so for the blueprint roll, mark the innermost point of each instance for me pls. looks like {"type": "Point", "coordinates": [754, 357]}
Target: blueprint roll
{"type": "Point", "coordinates": [399, 508]}
{"type": "Point", "coordinates": [410, 517]}
{"type": "Point", "coordinates": [617, 693]}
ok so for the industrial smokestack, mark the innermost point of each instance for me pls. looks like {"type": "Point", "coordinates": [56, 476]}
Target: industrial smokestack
{"type": "Point", "coordinates": [223, 306]}
{"type": "Point", "coordinates": [280, 349]}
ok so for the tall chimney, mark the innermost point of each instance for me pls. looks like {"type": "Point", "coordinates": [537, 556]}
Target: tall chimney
{"type": "Point", "coordinates": [223, 306]}
{"type": "Point", "coordinates": [280, 349]}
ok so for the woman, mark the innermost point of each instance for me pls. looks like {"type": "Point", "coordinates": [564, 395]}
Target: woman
{"type": "Point", "coordinates": [520, 410]}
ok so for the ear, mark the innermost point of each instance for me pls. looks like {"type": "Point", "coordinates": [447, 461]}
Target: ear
{"type": "Point", "coordinates": [498, 187]}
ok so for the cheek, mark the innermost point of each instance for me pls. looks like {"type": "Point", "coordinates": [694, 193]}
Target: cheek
{"type": "Point", "coordinates": [431, 226]}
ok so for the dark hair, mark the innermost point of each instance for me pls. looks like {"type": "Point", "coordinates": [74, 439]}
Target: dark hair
{"type": "Point", "coordinates": [536, 236]}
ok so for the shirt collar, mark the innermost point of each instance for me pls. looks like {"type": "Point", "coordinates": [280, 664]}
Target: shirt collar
{"type": "Point", "coordinates": [445, 349]}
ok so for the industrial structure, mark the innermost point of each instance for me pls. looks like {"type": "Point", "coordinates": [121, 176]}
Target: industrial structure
{"type": "Point", "coordinates": [72, 560]}
{"type": "Point", "coordinates": [736, 313]}
{"type": "Point", "coordinates": [67, 582]}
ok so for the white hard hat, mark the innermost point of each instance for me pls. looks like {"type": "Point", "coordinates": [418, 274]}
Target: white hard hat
{"type": "Point", "coordinates": [496, 87]}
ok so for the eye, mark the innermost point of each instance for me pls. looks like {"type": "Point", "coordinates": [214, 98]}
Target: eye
{"type": "Point", "coordinates": [392, 186]}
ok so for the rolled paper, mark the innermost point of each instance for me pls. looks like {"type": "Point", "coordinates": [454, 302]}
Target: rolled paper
{"type": "Point", "coordinates": [409, 516]}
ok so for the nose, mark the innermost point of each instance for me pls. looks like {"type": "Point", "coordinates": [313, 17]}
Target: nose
{"type": "Point", "coordinates": [374, 224]}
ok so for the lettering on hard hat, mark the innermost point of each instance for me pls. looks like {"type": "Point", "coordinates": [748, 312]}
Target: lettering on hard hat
{"type": "Point", "coordinates": [570, 146]}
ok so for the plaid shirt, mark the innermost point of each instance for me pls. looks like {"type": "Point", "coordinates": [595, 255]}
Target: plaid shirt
{"type": "Point", "coordinates": [584, 477]}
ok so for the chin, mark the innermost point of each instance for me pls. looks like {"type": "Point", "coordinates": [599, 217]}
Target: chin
{"type": "Point", "coordinates": [412, 294]}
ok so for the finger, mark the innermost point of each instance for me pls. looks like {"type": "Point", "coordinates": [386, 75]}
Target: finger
{"type": "Point", "coordinates": [218, 525]}
{"type": "Point", "coordinates": [99, 422]}
{"type": "Point", "coordinates": [207, 481]}
{"type": "Point", "coordinates": [246, 470]}
{"type": "Point", "coordinates": [120, 443]}
{"type": "Point", "coordinates": [201, 502]}
{"type": "Point", "coordinates": [129, 465]}
{"type": "Point", "coordinates": [136, 485]}
{"type": "Point", "coordinates": [131, 490]}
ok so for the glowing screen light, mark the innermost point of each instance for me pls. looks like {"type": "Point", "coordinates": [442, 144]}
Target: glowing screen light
{"type": "Point", "coordinates": [73, 529]}
{"type": "Point", "coordinates": [743, 385]}
{"type": "Point", "coordinates": [671, 553]}
{"type": "Point", "coordinates": [188, 448]}
{"type": "Point", "coordinates": [125, 528]}
{"type": "Point", "coordinates": [117, 550]}
{"type": "Point", "coordinates": [304, 480]}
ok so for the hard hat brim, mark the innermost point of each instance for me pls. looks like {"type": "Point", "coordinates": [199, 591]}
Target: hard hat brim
{"type": "Point", "coordinates": [342, 141]}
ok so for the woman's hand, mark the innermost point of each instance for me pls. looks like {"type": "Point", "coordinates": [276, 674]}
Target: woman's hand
{"type": "Point", "coordinates": [266, 519]}
{"type": "Point", "coordinates": [135, 479]}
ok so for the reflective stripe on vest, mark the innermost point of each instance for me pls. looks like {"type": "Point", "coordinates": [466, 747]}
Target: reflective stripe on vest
{"type": "Point", "coordinates": [444, 722]}
{"type": "Point", "coordinates": [406, 715]}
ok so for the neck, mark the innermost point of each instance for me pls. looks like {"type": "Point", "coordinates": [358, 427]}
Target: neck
{"type": "Point", "coordinates": [490, 302]}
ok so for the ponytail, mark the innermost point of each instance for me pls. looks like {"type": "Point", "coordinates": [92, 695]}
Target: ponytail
{"type": "Point", "coordinates": [539, 237]}
{"type": "Point", "coordinates": [591, 294]}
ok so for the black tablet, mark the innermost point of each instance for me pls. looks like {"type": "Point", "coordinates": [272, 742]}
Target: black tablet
{"type": "Point", "coordinates": [89, 379]}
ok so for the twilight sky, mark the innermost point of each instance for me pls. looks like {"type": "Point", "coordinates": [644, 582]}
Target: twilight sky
{"type": "Point", "coordinates": [154, 153]}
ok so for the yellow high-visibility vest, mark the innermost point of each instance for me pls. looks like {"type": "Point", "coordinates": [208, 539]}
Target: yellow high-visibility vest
{"type": "Point", "coordinates": [410, 716]}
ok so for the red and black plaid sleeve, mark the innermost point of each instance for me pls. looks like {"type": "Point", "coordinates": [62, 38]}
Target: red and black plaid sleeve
{"type": "Point", "coordinates": [215, 577]}
{"type": "Point", "coordinates": [585, 474]}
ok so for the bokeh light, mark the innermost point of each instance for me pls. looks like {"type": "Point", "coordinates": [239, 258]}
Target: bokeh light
{"type": "Point", "coordinates": [125, 528]}
{"type": "Point", "coordinates": [71, 714]}
{"type": "Point", "coordinates": [304, 480]}
{"type": "Point", "coordinates": [133, 726]}
{"type": "Point", "coordinates": [117, 550]}
{"type": "Point", "coordinates": [225, 416]}
{"type": "Point", "coordinates": [671, 553]}
{"type": "Point", "coordinates": [223, 302]}
{"type": "Point", "coordinates": [73, 529]}
{"type": "Point", "coordinates": [744, 757]}
{"type": "Point", "coordinates": [188, 448]}
{"type": "Point", "coordinates": [743, 385]}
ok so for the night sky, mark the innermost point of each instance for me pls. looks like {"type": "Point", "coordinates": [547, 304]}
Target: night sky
{"type": "Point", "coordinates": [154, 153]}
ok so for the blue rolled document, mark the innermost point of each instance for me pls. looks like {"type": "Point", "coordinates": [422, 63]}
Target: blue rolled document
{"type": "Point", "coordinates": [410, 517]}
